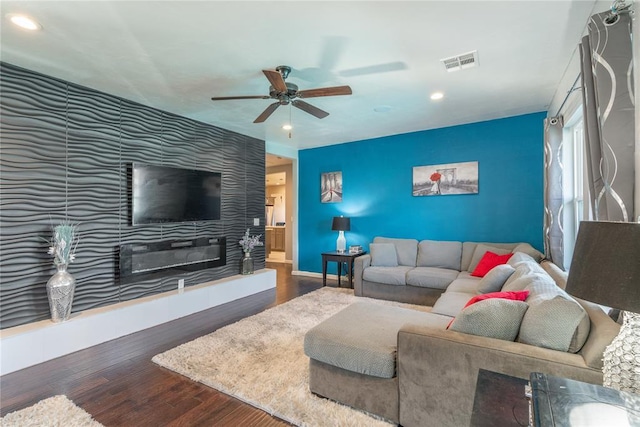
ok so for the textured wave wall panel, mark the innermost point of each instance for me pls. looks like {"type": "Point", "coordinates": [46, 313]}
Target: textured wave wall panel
{"type": "Point", "coordinates": [67, 152]}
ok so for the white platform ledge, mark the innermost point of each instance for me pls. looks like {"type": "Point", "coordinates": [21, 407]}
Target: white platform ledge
{"type": "Point", "coordinates": [27, 345]}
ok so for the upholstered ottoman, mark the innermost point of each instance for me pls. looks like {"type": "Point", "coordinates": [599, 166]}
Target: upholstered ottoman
{"type": "Point", "coordinates": [353, 355]}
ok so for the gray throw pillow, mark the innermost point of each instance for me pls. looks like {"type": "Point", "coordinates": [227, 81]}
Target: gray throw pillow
{"type": "Point", "coordinates": [495, 278]}
{"type": "Point", "coordinates": [553, 323]}
{"type": "Point", "coordinates": [383, 255]}
{"type": "Point", "coordinates": [494, 318]}
{"type": "Point", "coordinates": [481, 250]}
{"type": "Point", "coordinates": [529, 250]}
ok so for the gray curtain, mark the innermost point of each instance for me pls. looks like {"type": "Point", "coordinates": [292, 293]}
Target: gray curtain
{"type": "Point", "coordinates": [608, 105]}
{"type": "Point", "coordinates": [636, 79]}
{"type": "Point", "coordinates": [553, 199]}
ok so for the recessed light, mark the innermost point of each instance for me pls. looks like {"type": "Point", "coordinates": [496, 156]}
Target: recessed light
{"type": "Point", "coordinates": [437, 95]}
{"type": "Point", "coordinates": [24, 21]}
{"type": "Point", "coordinates": [287, 127]}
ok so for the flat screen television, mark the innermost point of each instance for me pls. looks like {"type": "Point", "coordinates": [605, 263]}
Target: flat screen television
{"type": "Point", "coordinates": [164, 194]}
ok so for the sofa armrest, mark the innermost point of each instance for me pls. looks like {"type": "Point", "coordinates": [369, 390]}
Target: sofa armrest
{"type": "Point", "coordinates": [359, 264]}
{"type": "Point", "coordinates": [438, 370]}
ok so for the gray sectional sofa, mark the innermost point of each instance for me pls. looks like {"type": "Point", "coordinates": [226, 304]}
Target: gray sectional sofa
{"type": "Point", "coordinates": [405, 366]}
{"type": "Point", "coordinates": [423, 270]}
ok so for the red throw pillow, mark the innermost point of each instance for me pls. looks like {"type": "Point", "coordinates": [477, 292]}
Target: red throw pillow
{"type": "Point", "coordinates": [512, 295]}
{"type": "Point", "coordinates": [488, 261]}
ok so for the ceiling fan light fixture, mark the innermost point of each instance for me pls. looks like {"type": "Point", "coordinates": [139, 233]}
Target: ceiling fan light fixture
{"type": "Point", "coordinates": [436, 96]}
{"type": "Point", "coordinates": [287, 127]}
{"type": "Point", "coordinates": [24, 21]}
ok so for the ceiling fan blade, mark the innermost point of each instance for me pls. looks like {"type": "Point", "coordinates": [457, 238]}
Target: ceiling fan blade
{"type": "Point", "coordinates": [374, 69]}
{"type": "Point", "coordinates": [267, 112]}
{"type": "Point", "coordinates": [276, 80]}
{"type": "Point", "coordinates": [226, 98]}
{"type": "Point", "coordinates": [308, 108]}
{"type": "Point", "coordinates": [325, 91]}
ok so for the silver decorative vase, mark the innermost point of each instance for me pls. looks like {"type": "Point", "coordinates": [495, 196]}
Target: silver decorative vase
{"type": "Point", "coordinates": [247, 263]}
{"type": "Point", "coordinates": [621, 369]}
{"type": "Point", "coordinates": [60, 289]}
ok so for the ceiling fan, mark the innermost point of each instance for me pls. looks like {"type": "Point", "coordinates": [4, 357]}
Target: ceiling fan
{"type": "Point", "coordinates": [285, 93]}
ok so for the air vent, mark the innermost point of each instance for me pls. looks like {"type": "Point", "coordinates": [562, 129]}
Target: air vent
{"type": "Point", "coordinates": [461, 62]}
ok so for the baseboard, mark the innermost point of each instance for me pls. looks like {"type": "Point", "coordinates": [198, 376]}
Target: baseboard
{"type": "Point", "coordinates": [313, 274]}
{"type": "Point", "coordinates": [26, 345]}
{"type": "Point", "coordinates": [281, 261]}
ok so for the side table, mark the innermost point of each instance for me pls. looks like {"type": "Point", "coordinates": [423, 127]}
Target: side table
{"type": "Point", "coordinates": [499, 401]}
{"type": "Point", "coordinates": [339, 257]}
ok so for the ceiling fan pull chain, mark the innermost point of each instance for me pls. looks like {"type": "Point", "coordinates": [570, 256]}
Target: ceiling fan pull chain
{"type": "Point", "coordinates": [290, 121]}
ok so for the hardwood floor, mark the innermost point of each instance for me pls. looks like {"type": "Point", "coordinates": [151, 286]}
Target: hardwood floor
{"type": "Point", "coordinates": [117, 383]}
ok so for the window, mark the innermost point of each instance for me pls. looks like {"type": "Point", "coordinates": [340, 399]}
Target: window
{"type": "Point", "coordinates": [578, 174]}
{"type": "Point", "coordinates": [573, 183]}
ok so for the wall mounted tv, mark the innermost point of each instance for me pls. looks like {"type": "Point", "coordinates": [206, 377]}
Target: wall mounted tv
{"type": "Point", "coordinates": [163, 194]}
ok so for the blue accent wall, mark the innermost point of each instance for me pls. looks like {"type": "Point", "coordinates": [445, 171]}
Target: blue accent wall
{"type": "Point", "coordinates": [377, 187]}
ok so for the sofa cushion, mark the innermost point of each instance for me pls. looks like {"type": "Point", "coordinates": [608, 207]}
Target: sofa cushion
{"type": "Point", "coordinates": [493, 318]}
{"type": "Point", "coordinates": [451, 303]}
{"type": "Point", "coordinates": [387, 275]}
{"type": "Point", "coordinates": [407, 249]}
{"type": "Point", "coordinates": [495, 278]}
{"type": "Point", "coordinates": [466, 275]}
{"type": "Point", "coordinates": [442, 254]}
{"type": "Point", "coordinates": [479, 252]}
{"type": "Point", "coordinates": [488, 261]}
{"type": "Point", "coordinates": [465, 284]}
{"type": "Point", "coordinates": [383, 255]}
{"type": "Point", "coordinates": [369, 350]}
{"type": "Point", "coordinates": [431, 277]}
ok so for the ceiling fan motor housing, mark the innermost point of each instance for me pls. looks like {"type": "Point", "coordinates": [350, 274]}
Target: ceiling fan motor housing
{"type": "Point", "coordinates": [291, 93]}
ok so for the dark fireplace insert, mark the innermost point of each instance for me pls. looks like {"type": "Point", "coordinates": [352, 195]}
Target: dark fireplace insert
{"type": "Point", "coordinates": [144, 261]}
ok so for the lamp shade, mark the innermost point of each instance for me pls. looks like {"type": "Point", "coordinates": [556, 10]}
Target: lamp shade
{"type": "Point", "coordinates": [605, 267]}
{"type": "Point", "coordinates": [341, 223]}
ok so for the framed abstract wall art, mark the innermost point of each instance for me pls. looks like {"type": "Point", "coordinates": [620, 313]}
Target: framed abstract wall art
{"type": "Point", "coordinates": [450, 178]}
{"type": "Point", "coordinates": [331, 187]}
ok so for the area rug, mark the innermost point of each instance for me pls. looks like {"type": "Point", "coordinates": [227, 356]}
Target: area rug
{"type": "Point", "coordinates": [56, 411]}
{"type": "Point", "coordinates": [260, 360]}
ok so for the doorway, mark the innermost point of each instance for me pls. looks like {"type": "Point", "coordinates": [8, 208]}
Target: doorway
{"type": "Point", "coordinates": [279, 205]}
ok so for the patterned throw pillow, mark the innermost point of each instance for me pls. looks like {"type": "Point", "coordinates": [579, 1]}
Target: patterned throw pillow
{"type": "Point", "coordinates": [494, 318]}
{"type": "Point", "coordinates": [555, 323]}
{"type": "Point", "coordinates": [514, 296]}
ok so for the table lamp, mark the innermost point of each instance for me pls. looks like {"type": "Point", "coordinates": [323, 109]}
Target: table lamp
{"type": "Point", "coordinates": [605, 269]}
{"type": "Point", "coordinates": [341, 224]}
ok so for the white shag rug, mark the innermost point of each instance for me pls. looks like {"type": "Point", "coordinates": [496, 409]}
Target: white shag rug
{"type": "Point", "coordinates": [260, 360]}
{"type": "Point", "coordinates": [56, 411]}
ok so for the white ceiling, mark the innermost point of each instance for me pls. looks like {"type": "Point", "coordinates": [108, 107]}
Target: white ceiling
{"type": "Point", "coordinates": [175, 55]}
